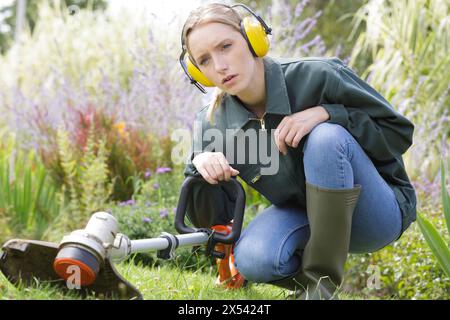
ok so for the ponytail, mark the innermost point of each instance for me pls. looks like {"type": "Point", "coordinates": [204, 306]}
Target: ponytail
{"type": "Point", "coordinates": [215, 103]}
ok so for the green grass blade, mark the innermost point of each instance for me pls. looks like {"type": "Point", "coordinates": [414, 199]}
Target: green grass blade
{"type": "Point", "coordinates": [436, 243]}
{"type": "Point", "coordinates": [445, 197]}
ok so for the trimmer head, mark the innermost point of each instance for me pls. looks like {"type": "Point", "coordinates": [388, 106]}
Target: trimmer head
{"type": "Point", "coordinates": [74, 256]}
{"type": "Point", "coordinates": [27, 261]}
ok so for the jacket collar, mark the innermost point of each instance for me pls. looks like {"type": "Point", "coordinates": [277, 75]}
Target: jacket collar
{"type": "Point", "coordinates": [276, 93]}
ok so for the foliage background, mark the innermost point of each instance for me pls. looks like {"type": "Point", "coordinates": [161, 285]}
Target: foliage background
{"type": "Point", "coordinates": [89, 101]}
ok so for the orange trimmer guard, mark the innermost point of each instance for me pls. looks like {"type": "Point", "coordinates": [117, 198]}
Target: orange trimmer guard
{"type": "Point", "coordinates": [229, 277]}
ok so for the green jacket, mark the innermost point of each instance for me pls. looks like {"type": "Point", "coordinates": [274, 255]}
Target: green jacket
{"type": "Point", "coordinates": [293, 85]}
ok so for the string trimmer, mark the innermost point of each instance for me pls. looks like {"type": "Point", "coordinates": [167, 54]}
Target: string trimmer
{"type": "Point", "coordinates": [84, 259]}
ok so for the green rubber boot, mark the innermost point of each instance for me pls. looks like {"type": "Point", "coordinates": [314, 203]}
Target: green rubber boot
{"type": "Point", "coordinates": [330, 214]}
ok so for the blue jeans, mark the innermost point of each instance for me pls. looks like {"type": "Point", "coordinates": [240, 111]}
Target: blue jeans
{"type": "Point", "coordinates": [270, 247]}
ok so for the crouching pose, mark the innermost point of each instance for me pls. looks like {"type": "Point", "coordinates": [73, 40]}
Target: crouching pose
{"type": "Point", "coordinates": [336, 181]}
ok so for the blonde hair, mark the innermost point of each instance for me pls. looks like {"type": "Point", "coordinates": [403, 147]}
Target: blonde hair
{"type": "Point", "coordinates": [213, 12]}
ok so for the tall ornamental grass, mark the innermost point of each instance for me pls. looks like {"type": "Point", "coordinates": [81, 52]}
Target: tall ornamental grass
{"type": "Point", "coordinates": [29, 198]}
{"type": "Point", "coordinates": [407, 44]}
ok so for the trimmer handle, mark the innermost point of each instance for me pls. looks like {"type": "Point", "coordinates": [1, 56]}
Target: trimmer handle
{"type": "Point", "coordinates": [239, 209]}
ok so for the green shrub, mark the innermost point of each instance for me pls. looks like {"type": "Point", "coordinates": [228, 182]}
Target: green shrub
{"type": "Point", "coordinates": [86, 181]}
{"type": "Point", "coordinates": [407, 270]}
{"type": "Point", "coordinates": [151, 211]}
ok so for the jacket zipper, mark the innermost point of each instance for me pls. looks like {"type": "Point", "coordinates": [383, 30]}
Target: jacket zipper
{"type": "Point", "coordinates": [263, 128]}
{"type": "Point", "coordinates": [261, 121]}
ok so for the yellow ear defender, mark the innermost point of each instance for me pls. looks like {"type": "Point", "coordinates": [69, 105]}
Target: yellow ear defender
{"type": "Point", "coordinates": [256, 36]}
{"type": "Point", "coordinates": [195, 72]}
{"type": "Point", "coordinates": [254, 31]}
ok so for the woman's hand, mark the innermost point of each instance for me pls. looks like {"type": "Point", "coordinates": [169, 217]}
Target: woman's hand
{"type": "Point", "coordinates": [297, 125]}
{"type": "Point", "coordinates": [214, 167]}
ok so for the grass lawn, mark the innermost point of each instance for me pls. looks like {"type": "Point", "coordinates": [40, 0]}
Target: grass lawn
{"type": "Point", "coordinates": [160, 283]}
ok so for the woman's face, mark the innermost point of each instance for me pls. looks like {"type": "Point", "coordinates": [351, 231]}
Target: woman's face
{"type": "Point", "coordinates": [221, 51]}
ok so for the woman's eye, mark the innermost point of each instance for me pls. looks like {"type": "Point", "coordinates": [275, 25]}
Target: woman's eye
{"type": "Point", "coordinates": [204, 61]}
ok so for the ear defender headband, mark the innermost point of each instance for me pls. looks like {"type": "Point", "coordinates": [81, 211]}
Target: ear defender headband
{"type": "Point", "coordinates": [254, 32]}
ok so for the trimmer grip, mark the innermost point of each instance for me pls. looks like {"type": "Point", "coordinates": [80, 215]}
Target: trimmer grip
{"type": "Point", "coordinates": [239, 209]}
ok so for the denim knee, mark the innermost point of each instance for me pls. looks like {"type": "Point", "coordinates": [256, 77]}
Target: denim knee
{"type": "Point", "coordinates": [254, 261]}
{"type": "Point", "coordinates": [267, 249]}
{"type": "Point", "coordinates": [327, 136]}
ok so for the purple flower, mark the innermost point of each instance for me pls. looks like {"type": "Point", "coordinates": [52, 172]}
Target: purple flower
{"type": "Point", "coordinates": [163, 213]}
{"type": "Point", "coordinates": [127, 203]}
{"type": "Point", "coordinates": [147, 174]}
{"type": "Point", "coordinates": [155, 186]}
{"type": "Point", "coordinates": [299, 8]}
{"type": "Point", "coordinates": [163, 170]}
{"type": "Point", "coordinates": [146, 220]}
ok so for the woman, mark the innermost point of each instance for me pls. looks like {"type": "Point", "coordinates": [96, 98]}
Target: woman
{"type": "Point", "coordinates": [340, 184]}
